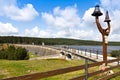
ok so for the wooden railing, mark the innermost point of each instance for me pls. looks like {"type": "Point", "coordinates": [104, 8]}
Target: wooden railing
{"type": "Point", "coordinates": [36, 76]}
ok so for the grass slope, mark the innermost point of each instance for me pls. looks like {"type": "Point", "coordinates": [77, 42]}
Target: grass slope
{"type": "Point", "coordinates": [10, 68]}
{"type": "Point", "coordinates": [16, 68]}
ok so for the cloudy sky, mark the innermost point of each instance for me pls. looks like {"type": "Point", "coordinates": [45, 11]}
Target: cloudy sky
{"type": "Point", "coordinates": [57, 18]}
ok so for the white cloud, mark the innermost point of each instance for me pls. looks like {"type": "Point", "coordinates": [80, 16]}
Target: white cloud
{"type": "Point", "coordinates": [37, 32]}
{"type": "Point", "coordinates": [110, 4]}
{"type": "Point", "coordinates": [10, 9]}
{"type": "Point", "coordinates": [62, 22]}
{"type": "Point", "coordinates": [114, 12]}
{"type": "Point", "coordinates": [62, 18]}
{"type": "Point", "coordinates": [66, 23]}
{"type": "Point", "coordinates": [115, 21]}
{"type": "Point", "coordinates": [113, 7]}
{"type": "Point", "coordinates": [114, 37]}
{"type": "Point", "coordinates": [66, 33]}
{"type": "Point", "coordinates": [7, 29]}
{"type": "Point", "coordinates": [88, 20]}
{"type": "Point", "coordinates": [70, 25]}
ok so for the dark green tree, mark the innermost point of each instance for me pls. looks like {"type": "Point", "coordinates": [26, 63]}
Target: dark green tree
{"type": "Point", "coordinates": [14, 53]}
{"type": "Point", "coordinates": [21, 53]}
{"type": "Point", "coordinates": [115, 53]}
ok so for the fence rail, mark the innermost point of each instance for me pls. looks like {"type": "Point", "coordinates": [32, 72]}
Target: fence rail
{"type": "Point", "coordinates": [95, 73]}
{"type": "Point", "coordinates": [67, 70]}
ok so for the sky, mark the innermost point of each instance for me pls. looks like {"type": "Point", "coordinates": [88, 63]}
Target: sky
{"type": "Point", "coordinates": [58, 18]}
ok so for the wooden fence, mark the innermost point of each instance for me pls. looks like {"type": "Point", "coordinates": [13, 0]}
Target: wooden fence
{"type": "Point", "coordinates": [36, 76]}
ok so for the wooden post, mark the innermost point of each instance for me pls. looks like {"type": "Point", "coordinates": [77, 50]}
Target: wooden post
{"type": "Point", "coordinates": [104, 32]}
{"type": "Point", "coordinates": [86, 69]}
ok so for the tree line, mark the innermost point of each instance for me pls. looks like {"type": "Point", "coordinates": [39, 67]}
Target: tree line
{"type": "Point", "coordinates": [50, 41]}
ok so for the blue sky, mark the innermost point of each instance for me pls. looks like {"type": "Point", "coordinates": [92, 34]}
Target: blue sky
{"type": "Point", "coordinates": [49, 5]}
{"type": "Point", "coordinates": [57, 18]}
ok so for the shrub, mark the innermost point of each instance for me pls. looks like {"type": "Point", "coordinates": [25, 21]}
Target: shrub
{"type": "Point", "coordinates": [115, 53]}
{"type": "Point", "coordinates": [21, 53]}
{"type": "Point", "coordinates": [13, 53]}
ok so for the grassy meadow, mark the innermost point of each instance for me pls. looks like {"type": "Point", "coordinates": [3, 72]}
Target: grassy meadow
{"type": "Point", "coordinates": [10, 68]}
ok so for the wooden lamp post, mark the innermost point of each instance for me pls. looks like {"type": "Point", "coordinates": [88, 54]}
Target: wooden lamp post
{"type": "Point", "coordinates": [104, 32]}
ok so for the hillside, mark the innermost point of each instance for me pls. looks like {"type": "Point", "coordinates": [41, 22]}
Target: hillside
{"type": "Point", "coordinates": [50, 41]}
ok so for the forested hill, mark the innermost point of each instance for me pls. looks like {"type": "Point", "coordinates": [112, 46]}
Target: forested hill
{"type": "Point", "coordinates": [50, 41]}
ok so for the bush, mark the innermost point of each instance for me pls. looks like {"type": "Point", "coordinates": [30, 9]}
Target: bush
{"type": "Point", "coordinates": [21, 53]}
{"type": "Point", "coordinates": [115, 53]}
{"type": "Point", "coordinates": [13, 53]}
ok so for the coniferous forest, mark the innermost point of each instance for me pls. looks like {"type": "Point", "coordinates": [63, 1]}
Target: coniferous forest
{"type": "Point", "coordinates": [50, 41]}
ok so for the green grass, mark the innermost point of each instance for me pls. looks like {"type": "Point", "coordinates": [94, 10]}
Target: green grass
{"type": "Point", "coordinates": [10, 68]}
{"type": "Point", "coordinates": [65, 76]}
{"type": "Point", "coordinates": [32, 55]}
{"type": "Point", "coordinates": [116, 77]}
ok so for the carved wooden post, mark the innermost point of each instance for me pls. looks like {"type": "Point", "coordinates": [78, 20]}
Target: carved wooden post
{"type": "Point", "coordinates": [104, 32]}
